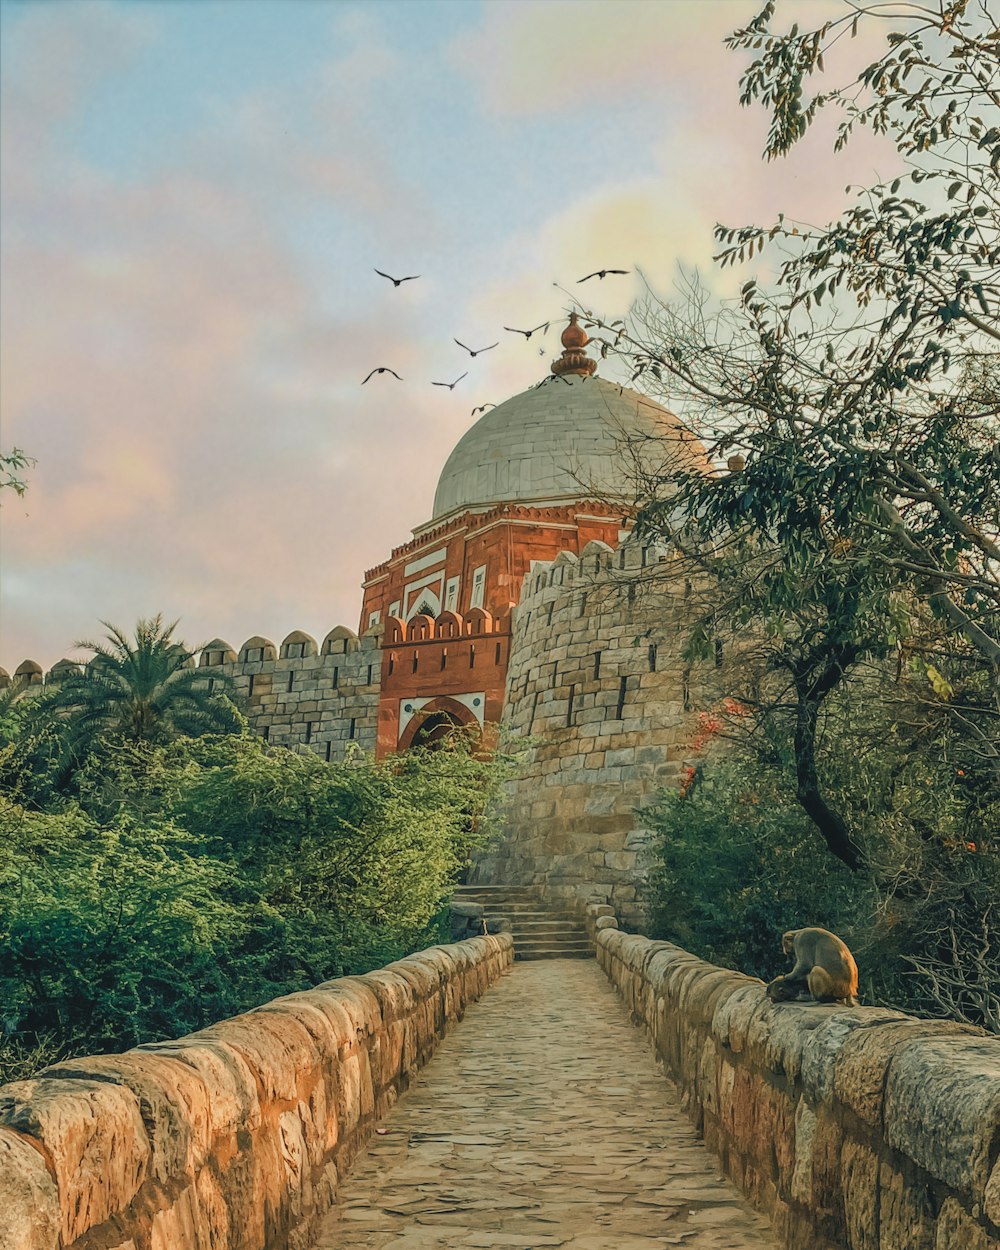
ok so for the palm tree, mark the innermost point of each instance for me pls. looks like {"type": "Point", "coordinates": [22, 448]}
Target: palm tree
{"type": "Point", "coordinates": [143, 691]}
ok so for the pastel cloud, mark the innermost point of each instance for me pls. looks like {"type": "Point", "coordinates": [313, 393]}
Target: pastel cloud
{"type": "Point", "coordinates": [182, 345]}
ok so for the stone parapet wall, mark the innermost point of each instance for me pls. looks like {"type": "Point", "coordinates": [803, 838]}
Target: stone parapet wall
{"type": "Point", "coordinates": [323, 698]}
{"type": "Point", "coordinates": [596, 674]}
{"type": "Point", "coordinates": [234, 1137]}
{"type": "Point", "coordinates": [857, 1128]}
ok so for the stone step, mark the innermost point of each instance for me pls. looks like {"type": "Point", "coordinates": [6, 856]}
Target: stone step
{"type": "Point", "coordinates": [534, 890]}
{"type": "Point", "coordinates": [553, 953]}
{"type": "Point", "coordinates": [500, 900]}
{"type": "Point", "coordinates": [548, 926]}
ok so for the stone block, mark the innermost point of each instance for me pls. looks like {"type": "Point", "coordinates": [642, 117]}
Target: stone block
{"type": "Point", "coordinates": [31, 1218]}
{"type": "Point", "coordinates": [173, 1102]}
{"type": "Point", "coordinates": [942, 1107]}
{"type": "Point", "coordinates": [956, 1230]}
{"type": "Point", "coordinates": [93, 1135]}
{"type": "Point", "coordinates": [905, 1213]}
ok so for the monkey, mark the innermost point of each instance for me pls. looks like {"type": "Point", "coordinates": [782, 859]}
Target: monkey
{"type": "Point", "coordinates": [823, 966]}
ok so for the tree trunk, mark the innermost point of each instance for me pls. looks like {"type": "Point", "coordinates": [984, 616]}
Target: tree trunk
{"type": "Point", "coordinates": [811, 691]}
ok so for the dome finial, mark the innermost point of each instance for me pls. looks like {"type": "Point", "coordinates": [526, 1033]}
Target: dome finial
{"type": "Point", "coordinates": [574, 359]}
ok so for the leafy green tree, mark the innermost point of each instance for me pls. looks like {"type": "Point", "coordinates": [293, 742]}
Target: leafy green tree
{"type": "Point", "coordinates": [736, 865]}
{"type": "Point", "coordinates": [191, 879]}
{"type": "Point", "coordinates": [111, 935]}
{"type": "Point", "coordinates": [853, 396]}
{"type": "Point", "coordinates": [12, 465]}
{"type": "Point", "coordinates": [858, 393]}
{"type": "Point", "coordinates": [141, 690]}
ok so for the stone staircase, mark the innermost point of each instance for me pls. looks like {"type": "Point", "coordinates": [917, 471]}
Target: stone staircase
{"type": "Point", "coordinates": [541, 930]}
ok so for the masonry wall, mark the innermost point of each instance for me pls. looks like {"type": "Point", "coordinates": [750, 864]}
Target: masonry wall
{"type": "Point", "coordinates": [596, 675]}
{"type": "Point", "coordinates": [852, 1128]}
{"type": "Point", "coordinates": [234, 1137]}
{"type": "Point", "coordinates": [323, 698]}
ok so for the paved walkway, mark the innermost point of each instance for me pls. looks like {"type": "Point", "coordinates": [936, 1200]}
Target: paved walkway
{"type": "Point", "coordinates": [542, 1120]}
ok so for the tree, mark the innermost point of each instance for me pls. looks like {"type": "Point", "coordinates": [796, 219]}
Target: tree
{"type": "Point", "coordinates": [860, 393]}
{"type": "Point", "coordinates": [12, 464]}
{"type": "Point", "coordinates": [854, 398]}
{"type": "Point", "coordinates": [146, 690]}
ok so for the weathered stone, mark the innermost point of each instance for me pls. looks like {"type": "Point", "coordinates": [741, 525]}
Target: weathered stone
{"type": "Point", "coordinates": [956, 1231]}
{"type": "Point", "coordinates": [92, 1135]}
{"type": "Point", "coordinates": [942, 1107]}
{"type": "Point", "coordinates": [173, 1102]}
{"type": "Point", "coordinates": [905, 1215]}
{"type": "Point", "coordinates": [30, 1218]}
{"type": "Point", "coordinates": [800, 1185]}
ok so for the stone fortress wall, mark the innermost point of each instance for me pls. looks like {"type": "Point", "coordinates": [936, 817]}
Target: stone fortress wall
{"type": "Point", "coordinates": [236, 1136]}
{"type": "Point", "coordinates": [323, 698]}
{"type": "Point", "coordinates": [320, 697]}
{"type": "Point", "coordinates": [596, 674]}
{"type": "Point", "coordinates": [855, 1127]}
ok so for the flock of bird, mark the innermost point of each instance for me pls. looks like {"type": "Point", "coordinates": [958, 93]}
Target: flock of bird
{"type": "Point", "coordinates": [478, 351]}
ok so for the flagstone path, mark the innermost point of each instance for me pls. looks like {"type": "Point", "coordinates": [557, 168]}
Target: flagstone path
{"type": "Point", "coordinates": [541, 1121]}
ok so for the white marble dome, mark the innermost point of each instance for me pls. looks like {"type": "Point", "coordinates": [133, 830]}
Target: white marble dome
{"type": "Point", "coordinates": [563, 441]}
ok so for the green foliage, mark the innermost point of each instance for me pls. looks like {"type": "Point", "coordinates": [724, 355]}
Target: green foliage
{"type": "Point", "coordinates": [192, 879]}
{"type": "Point", "coordinates": [737, 864]}
{"type": "Point", "coordinates": [12, 464]}
{"type": "Point", "coordinates": [109, 935]}
{"type": "Point", "coordinates": [141, 690]}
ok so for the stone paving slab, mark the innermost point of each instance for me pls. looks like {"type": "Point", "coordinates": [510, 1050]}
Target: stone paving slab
{"type": "Point", "coordinates": [541, 1121]}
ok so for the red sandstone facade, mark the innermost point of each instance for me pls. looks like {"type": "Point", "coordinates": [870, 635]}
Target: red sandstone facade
{"type": "Point", "coordinates": [444, 600]}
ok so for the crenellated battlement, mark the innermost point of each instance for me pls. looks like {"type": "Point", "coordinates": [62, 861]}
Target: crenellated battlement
{"type": "Point", "coordinates": [322, 697]}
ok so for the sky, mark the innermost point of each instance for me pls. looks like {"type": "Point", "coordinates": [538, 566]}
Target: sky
{"type": "Point", "coordinates": [193, 198]}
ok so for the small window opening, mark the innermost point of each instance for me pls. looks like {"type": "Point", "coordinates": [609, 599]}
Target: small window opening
{"type": "Point", "coordinates": [309, 731]}
{"type": "Point", "coordinates": [250, 691]}
{"type": "Point", "coordinates": [551, 608]}
{"type": "Point", "coordinates": [472, 655]}
{"type": "Point", "coordinates": [686, 690]}
{"type": "Point", "coordinates": [499, 652]}
{"type": "Point", "coordinates": [211, 684]}
{"type": "Point", "coordinates": [266, 733]}
{"type": "Point", "coordinates": [597, 665]}
{"type": "Point", "coordinates": [416, 655]}
{"type": "Point", "coordinates": [336, 678]}
{"type": "Point", "coordinates": [583, 604]}
{"type": "Point", "coordinates": [329, 749]}
{"type": "Point", "coordinates": [369, 681]}
{"type": "Point", "coordinates": [569, 705]}
{"type": "Point", "coordinates": [354, 721]}
{"type": "Point", "coordinates": [291, 680]}
{"type": "Point", "coordinates": [622, 691]}
{"type": "Point", "coordinates": [652, 657]}
{"type": "Point", "coordinates": [444, 657]}
{"type": "Point", "coordinates": [534, 708]}
{"type": "Point", "coordinates": [392, 664]}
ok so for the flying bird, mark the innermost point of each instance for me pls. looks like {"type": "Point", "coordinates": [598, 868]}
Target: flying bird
{"type": "Point", "coordinates": [451, 385]}
{"type": "Point", "coordinates": [383, 369]}
{"type": "Point", "coordinates": [481, 408]}
{"type": "Point", "coordinates": [544, 327]}
{"type": "Point", "coordinates": [600, 273]}
{"type": "Point", "coordinates": [478, 350]}
{"type": "Point", "coordinates": [397, 281]}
